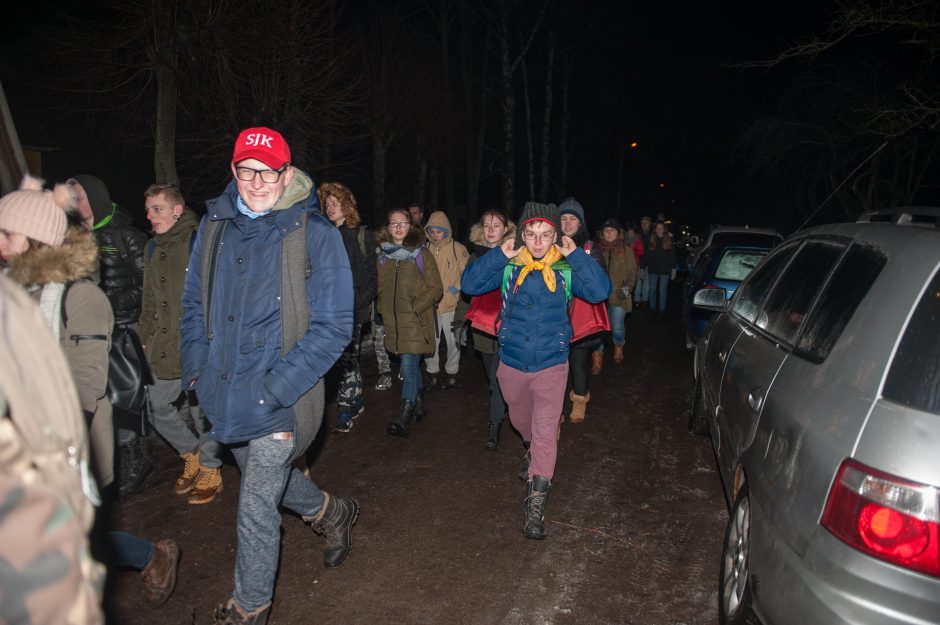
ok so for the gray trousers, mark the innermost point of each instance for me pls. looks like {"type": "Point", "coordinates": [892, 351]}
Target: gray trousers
{"type": "Point", "coordinates": [269, 479]}
{"type": "Point", "coordinates": [171, 425]}
{"type": "Point", "coordinates": [452, 364]}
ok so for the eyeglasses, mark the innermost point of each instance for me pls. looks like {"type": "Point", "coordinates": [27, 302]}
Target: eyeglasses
{"type": "Point", "coordinates": [545, 237]}
{"type": "Point", "coordinates": [399, 224]}
{"type": "Point", "coordinates": [247, 174]}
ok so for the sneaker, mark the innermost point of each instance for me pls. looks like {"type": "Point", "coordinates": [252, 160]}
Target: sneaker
{"type": "Point", "coordinates": [343, 423]}
{"type": "Point", "coordinates": [207, 487]}
{"type": "Point", "coordinates": [448, 381]}
{"type": "Point", "coordinates": [433, 380]}
{"type": "Point", "coordinates": [384, 382]}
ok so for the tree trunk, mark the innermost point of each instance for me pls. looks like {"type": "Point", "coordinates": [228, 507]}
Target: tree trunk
{"type": "Point", "coordinates": [379, 156]}
{"type": "Point", "coordinates": [164, 57]}
{"type": "Point", "coordinates": [563, 146]}
{"type": "Point", "coordinates": [544, 177]}
{"type": "Point", "coordinates": [509, 111]}
{"type": "Point", "coordinates": [530, 152]}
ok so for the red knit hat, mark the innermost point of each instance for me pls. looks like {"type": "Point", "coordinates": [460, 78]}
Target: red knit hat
{"type": "Point", "coordinates": [37, 214]}
{"type": "Point", "coordinates": [263, 144]}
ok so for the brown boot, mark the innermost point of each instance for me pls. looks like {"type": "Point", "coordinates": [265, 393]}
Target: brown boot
{"type": "Point", "coordinates": [230, 613]}
{"type": "Point", "coordinates": [597, 362]}
{"type": "Point", "coordinates": [187, 481]}
{"type": "Point", "coordinates": [578, 404]}
{"type": "Point", "coordinates": [618, 354]}
{"type": "Point", "coordinates": [208, 485]}
{"type": "Point", "coordinates": [159, 575]}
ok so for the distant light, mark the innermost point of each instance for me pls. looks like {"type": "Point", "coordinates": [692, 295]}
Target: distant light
{"type": "Point", "coordinates": [662, 185]}
{"type": "Point", "coordinates": [634, 144]}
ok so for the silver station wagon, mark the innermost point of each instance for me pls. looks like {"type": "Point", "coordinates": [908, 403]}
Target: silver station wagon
{"type": "Point", "coordinates": [819, 384]}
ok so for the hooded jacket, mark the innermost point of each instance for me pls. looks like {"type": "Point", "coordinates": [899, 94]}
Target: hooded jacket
{"type": "Point", "coordinates": [161, 306]}
{"type": "Point", "coordinates": [407, 294]}
{"type": "Point", "coordinates": [121, 251]}
{"type": "Point", "coordinates": [245, 386]}
{"type": "Point", "coordinates": [451, 258]}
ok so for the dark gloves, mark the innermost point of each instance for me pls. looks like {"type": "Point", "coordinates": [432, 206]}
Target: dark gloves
{"type": "Point", "coordinates": [623, 294]}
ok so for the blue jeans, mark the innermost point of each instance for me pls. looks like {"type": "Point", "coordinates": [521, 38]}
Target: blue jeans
{"type": "Point", "coordinates": [411, 375]}
{"type": "Point", "coordinates": [642, 290]}
{"type": "Point", "coordinates": [618, 330]}
{"type": "Point", "coordinates": [128, 551]}
{"type": "Point", "coordinates": [269, 480]}
{"type": "Point", "coordinates": [659, 282]}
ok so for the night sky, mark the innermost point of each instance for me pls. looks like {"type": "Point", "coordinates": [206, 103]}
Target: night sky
{"type": "Point", "coordinates": [656, 73]}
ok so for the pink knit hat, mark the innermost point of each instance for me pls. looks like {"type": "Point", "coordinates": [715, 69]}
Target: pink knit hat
{"type": "Point", "coordinates": [37, 214]}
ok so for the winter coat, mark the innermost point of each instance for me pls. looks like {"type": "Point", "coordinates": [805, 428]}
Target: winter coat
{"type": "Point", "coordinates": [482, 342]}
{"type": "Point", "coordinates": [121, 252]}
{"type": "Point", "coordinates": [85, 323]}
{"type": "Point", "coordinates": [535, 332]}
{"type": "Point", "coordinates": [362, 265]}
{"type": "Point", "coordinates": [407, 295]}
{"type": "Point", "coordinates": [161, 305]}
{"type": "Point", "coordinates": [245, 386]}
{"type": "Point", "coordinates": [451, 258]}
{"type": "Point", "coordinates": [620, 261]}
{"type": "Point", "coordinates": [660, 256]}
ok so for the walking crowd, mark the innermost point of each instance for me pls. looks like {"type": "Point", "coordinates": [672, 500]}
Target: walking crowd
{"type": "Point", "coordinates": [241, 315]}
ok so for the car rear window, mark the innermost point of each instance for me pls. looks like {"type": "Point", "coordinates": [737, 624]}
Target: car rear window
{"type": "Point", "coordinates": [737, 264]}
{"type": "Point", "coordinates": [914, 377]}
{"type": "Point", "coordinates": [756, 238]}
{"type": "Point", "coordinates": [844, 291]}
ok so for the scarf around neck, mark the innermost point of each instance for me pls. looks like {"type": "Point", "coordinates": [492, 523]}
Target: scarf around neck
{"type": "Point", "coordinates": [392, 251]}
{"type": "Point", "coordinates": [543, 265]}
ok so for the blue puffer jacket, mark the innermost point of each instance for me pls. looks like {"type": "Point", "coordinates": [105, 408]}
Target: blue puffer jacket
{"type": "Point", "coordinates": [535, 332]}
{"type": "Point", "coordinates": [244, 386]}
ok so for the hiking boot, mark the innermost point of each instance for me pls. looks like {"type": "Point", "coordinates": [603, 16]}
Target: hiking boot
{"type": "Point", "coordinates": [133, 466]}
{"type": "Point", "coordinates": [492, 438]}
{"type": "Point", "coordinates": [335, 521]}
{"type": "Point", "coordinates": [384, 382]}
{"type": "Point", "coordinates": [417, 416]}
{"type": "Point", "coordinates": [230, 613]}
{"type": "Point", "coordinates": [618, 354]}
{"type": "Point", "coordinates": [448, 381]}
{"type": "Point", "coordinates": [578, 405]}
{"type": "Point", "coordinates": [526, 460]}
{"type": "Point", "coordinates": [208, 485]}
{"type": "Point", "coordinates": [344, 422]}
{"type": "Point", "coordinates": [434, 380]}
{"type": "Point", "coordinates": [187, 481]}
{"type": "Point", "coordinates": [597, 362]}
{"type": "Point", "coordinates": [399, 427]}
{"type": "Point", "coordinates": [534, 507]}
{"type": "Point", "coordinates": [159, 576]}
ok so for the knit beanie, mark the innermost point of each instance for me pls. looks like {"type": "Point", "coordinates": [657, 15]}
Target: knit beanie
{"type": "Point", "coordinates": [37, 214]}
{"type": "Point", "coordinates": [611, 223]}
{"type": "Point", "coordinates": [534, 211]}
{"type": "Point", "coordinates": [99, 198]}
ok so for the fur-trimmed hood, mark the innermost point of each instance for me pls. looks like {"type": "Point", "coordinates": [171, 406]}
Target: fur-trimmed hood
{"type": "Point", "coordinates": [413, 240]}
{"type": "Point", "coordinates": [75, 259]}
{"type": "Point", "coordinates": [476, 234]}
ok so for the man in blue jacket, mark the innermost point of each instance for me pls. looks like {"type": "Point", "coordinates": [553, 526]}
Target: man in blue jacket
{"type": "Point", "coordinates": [267, 310]}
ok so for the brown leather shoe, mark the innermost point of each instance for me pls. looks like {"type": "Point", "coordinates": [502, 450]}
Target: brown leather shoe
{"type": "Point", "coordinates": [187, 481]}
{"type": "Point", "coordinates": [159, 576]}
{"type": "Point", "coordinates": [208, 485]}
{"type": "Point", "coordinates": [618, 354]}
{"type": "Point", "coordinates": [597, 362]}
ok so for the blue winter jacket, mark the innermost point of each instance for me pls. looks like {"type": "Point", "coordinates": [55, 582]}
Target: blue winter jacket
{"type": "Point", "coordinates": [535, 332]}
{"type": "Point", "coordinates": [245, 387]}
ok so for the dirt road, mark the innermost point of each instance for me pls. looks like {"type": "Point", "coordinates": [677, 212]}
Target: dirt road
{"type": "Point", "coordinates": [635, 518]}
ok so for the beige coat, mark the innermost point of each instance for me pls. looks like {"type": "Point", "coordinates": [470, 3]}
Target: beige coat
{"type": "Point", "coordinates": [451, 258]}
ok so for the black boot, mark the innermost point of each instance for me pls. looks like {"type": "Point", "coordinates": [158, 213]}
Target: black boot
{"type": "Point", "coordinates": [336, 523]}
{"type": "Point", "coordinates": [418, 415]}
{"type": "Point", "coordinates": [535, 504]}
{"type": "Point", "coordinates": [133, 466]}
{"type": "Point", "coordinates": [524, 469]}
{"type": "Point", "coordinates": [400, 426]}
{"type": "Point", "coordinates": [492, 439]}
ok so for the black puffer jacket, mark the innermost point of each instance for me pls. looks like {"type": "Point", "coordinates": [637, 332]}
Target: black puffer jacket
{"type": "Point", "coordinates": [362, 264]}
{"type": "Point", "coordinates": [121, 252]}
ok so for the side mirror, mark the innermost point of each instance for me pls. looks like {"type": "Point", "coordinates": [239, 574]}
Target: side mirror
{"type": "Point", "coordinates": [711, 299]}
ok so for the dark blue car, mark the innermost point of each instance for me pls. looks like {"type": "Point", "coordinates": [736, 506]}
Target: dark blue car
{"type": "Point", "coordinates": [721, 266]}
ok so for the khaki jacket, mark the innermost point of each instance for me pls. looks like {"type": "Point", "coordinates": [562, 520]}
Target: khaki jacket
{"type": "Point", "coordinates": [620, 262]}
{"type": "Point", "coordinates": [451, 258]}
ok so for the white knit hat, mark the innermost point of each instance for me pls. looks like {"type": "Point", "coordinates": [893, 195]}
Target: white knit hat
{"type": "Point", "coordinates": [37, 214]}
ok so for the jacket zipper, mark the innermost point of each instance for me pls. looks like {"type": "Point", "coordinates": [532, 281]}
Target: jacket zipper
{"type": "Point", "coordinates": [395, 304]}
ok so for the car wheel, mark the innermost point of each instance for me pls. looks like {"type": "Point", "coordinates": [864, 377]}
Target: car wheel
{"type": "Point", "coordinates": [734, 589]}
{"type": "Point", "coordinates": [698, 419]}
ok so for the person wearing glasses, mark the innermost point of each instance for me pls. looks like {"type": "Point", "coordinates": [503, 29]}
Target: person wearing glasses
{"type": "Point", "coordinates": [167, 256]}
{"type": "Point", "coordinates": [409, 288]}
{"type": "Point", "coordinates": [544, 271]}
{"type": "Point", "coordinates": [258, 383]}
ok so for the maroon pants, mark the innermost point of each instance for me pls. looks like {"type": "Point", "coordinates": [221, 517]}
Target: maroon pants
{"type": "Point", "coordinates": [535, 401]}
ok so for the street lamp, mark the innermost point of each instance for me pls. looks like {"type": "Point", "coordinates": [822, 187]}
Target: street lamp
{"type": "Point", "coordinates": [623, 148]}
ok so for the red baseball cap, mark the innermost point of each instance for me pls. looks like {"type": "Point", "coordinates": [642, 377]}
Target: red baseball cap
{"type": "Point", "coordinates": [263, 144]}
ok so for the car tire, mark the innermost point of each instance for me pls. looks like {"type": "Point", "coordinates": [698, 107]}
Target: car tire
{"type": "Point", "coordinates": [734, 582]}
{"type": "Point", "coordinates": [698, 418]}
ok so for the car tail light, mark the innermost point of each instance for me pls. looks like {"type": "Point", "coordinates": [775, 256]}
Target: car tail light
{"type": "Point", "coordinates": [885, 516]}
{"type": "Point", "coordinates": [710, 286]}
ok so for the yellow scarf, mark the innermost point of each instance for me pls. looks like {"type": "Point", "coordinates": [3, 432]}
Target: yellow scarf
{"type": "Point", "coordinates": [544, 265]}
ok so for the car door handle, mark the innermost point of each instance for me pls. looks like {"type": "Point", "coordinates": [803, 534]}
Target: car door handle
{"type": "Point", "coordinates": [754, 399]}
{"type": "Point", "coordinates": [722, 356]}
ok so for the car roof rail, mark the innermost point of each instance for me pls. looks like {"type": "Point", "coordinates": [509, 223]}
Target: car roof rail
{"type": "Point", "coordinates": [918, 216]}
